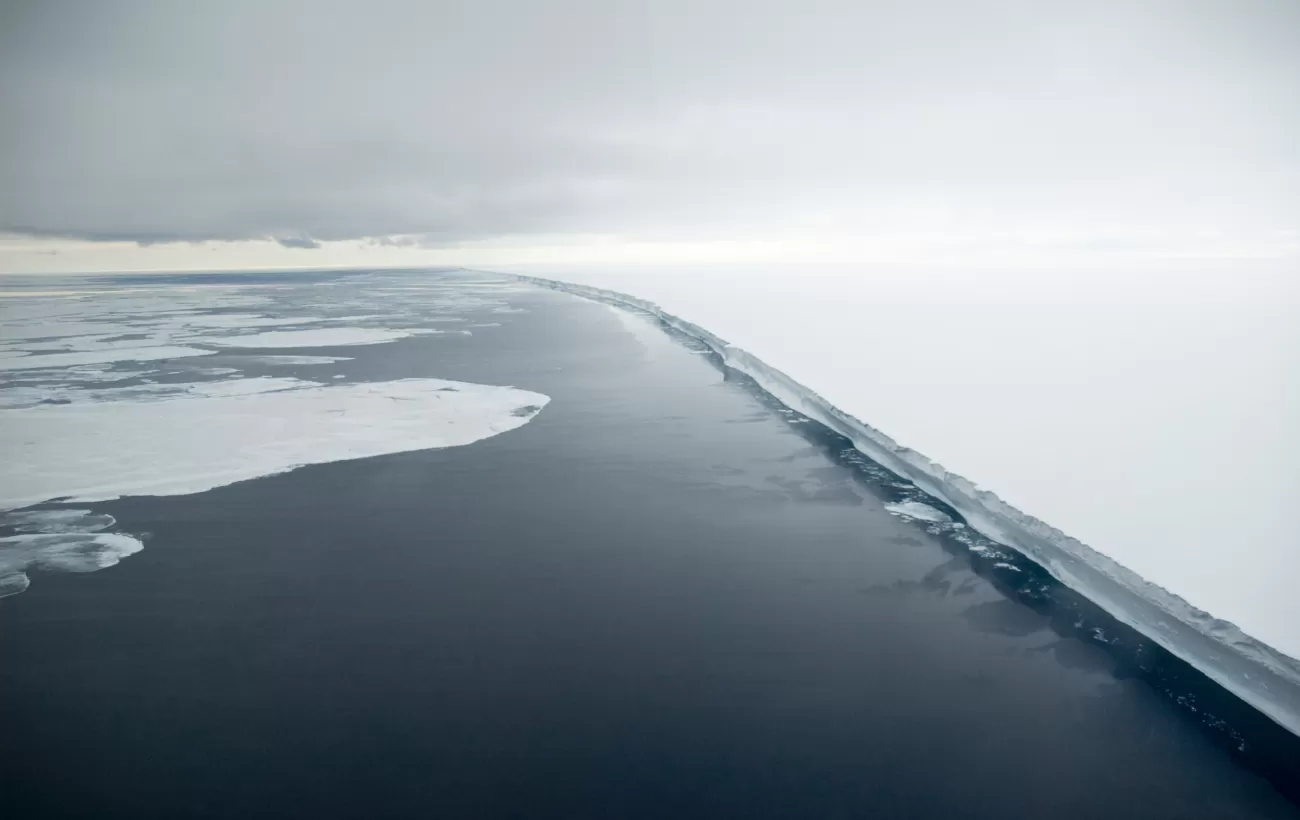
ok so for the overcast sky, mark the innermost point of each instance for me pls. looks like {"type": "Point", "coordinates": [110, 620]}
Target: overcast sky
{"type": "Point", "coordinates": [387, 128]}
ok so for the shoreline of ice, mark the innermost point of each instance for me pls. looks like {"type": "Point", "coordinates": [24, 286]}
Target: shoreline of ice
{"type": "Point", "coordinates": [1260, 675]}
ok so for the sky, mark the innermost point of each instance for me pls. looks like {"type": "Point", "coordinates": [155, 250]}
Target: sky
{"type": "Point", "coordinates": [169, 135]}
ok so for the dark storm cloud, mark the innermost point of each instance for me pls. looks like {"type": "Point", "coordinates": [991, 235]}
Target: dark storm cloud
{"type": "Point", "coordinates": [456, 121]}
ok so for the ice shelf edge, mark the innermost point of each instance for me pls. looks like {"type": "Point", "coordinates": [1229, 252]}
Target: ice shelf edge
{"type": "Point", "coordinates": [1260, 675]}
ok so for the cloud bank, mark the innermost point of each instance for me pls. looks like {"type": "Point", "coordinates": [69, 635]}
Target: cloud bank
{"type": "Point", "coordinates": [454, 122]}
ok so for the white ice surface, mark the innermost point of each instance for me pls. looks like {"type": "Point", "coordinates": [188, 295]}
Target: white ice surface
{"type": "Point", "coordinates": [62, 539]}
{"type": "Point", "coordinates": [62, 394]}
{"type": "Point", "coordinates": [322, 337]}
{"type": "Point", "coordinates": [242, 320]}
{"type": "Point", "coordinates": [117, 354]}
{"type": "Point", "coordinates": [295, 360]}
{"type": "Point", "coordinates": [918, 510]}
{"type": "Point", "coordinates": [219, 433]}
{"type": "Point", "coordinates": [65, 551]}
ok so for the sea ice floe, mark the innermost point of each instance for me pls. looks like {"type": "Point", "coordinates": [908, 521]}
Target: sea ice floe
{"type": "Point", "coordinates": [241, 321]}
{"type": "Point", "coordinates": [217, 433]}
{"type": "Point", "coordinates": [61, 539]}
{"type": "Point", "coordinates": [66, 551]}
{"type": "Point", "coordinates": [121, 354]}
{"type": "Point", "coordinates": [23, 396]}
{"type": "Point", "coordinates": [64, 435]}
{"type": "Point", "coordinates": [56, 521]}
{"type": "Point", "coordinates": [321, 337]}
{"type": "Point", "coordinates": [294, 360]}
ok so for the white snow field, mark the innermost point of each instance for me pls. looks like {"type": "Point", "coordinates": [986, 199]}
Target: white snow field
{"type": "Point", "coordinates": [324, 337]}
{"type": "Point", "coordinates": [209, 436]}
{"type": "Point", "coordinates": [1136, 433]}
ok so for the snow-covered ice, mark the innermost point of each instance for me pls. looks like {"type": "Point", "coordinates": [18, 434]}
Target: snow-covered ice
{"type": "Point", "coordinates": [918, 510]}
{"type": "Point", "coordinates": [70, 540]}
{"type": "Point", "coordinates": [242, 321]}
{"type": "Point", "coordinates": [117, 354]}
{"type": "Point", "coordinates": [219, 433]}
{"type": "Point", "coordinates": [322, 337]}
{"type": "Point", "coordinates": [295, 360]}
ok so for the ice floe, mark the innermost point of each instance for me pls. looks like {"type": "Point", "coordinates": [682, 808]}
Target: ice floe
{"type": "Point", "coordinates": [65, 551]}
{"type": "Point", "coordinates": [213, 434]}
{"type": "Point", "coordinates": [294, 360]}
{"type": "Point", "coordinates": [58, 520]}
{"type": "Point", "coordinates": [918, 510]}
{"type": "Point", "coordinates": [321, 337]}
{"type": "Point", "coordinates": [120, 354]}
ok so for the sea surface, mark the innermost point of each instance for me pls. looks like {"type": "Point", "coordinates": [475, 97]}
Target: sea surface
{"type": "Point", "coordinates": [663, 595]}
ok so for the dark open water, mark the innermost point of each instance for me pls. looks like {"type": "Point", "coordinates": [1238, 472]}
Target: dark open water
{"type": "Point", "coordinates": [662, 598]}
